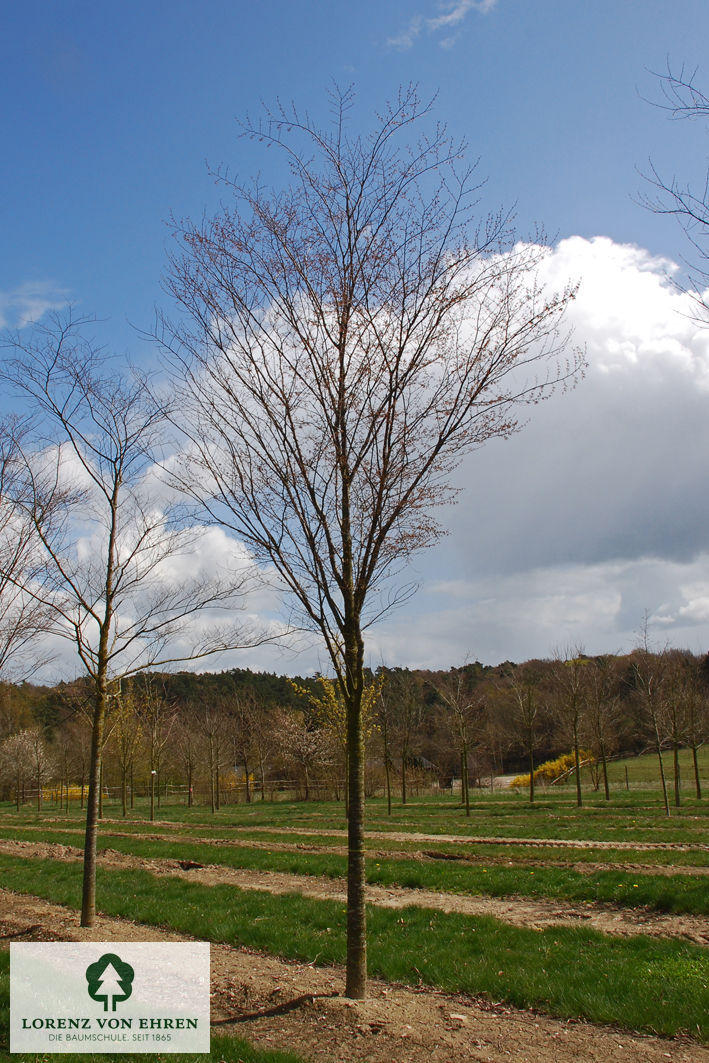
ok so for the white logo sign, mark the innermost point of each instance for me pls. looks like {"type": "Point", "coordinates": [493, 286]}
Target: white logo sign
{"type": "Point", "coordinates": [109, 997]}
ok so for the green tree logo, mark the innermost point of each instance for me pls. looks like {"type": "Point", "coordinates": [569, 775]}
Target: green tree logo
{"type": "Point", "coordinates": [110, 980]}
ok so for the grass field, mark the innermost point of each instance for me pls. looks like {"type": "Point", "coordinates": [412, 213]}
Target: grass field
{"type": "Point", "coordinates": [620, 853]}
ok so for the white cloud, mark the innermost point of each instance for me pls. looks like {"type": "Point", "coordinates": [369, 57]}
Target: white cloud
{"type": "Point", "coordinates": [454, 11]}
{"type": "Point", "coordinates": [595, 512]}
{"type": "Point", "coordinates": [530, 614]}
{"type": "Point", "coordinates": [29, 302]}
{"type": "Point", "coordinates": [407, 37]}
{"type": "Point", "coordinates": [452, 16]}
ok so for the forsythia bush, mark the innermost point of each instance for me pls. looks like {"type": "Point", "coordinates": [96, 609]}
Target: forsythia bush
{"type": "Point", "coordinates": [552, 770]}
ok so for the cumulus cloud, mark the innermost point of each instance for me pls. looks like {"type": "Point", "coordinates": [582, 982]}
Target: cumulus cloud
{"type": "Point", "coordinates": [596, 510]}
{"type": "Point", "coordinates": [594, 513]}
{"type": "Point", "coordinates": [29, 302]}
{"type": "Point", "coordinates": [613, 470]}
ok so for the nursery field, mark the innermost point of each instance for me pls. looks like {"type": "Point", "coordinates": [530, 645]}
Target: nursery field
{"type": "Point", "coordinates": [544, 932]}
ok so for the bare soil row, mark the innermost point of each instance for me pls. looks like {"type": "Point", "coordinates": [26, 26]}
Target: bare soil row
{"type": "Point", "coordinates": [518, 911]}
{"type": "Point", "coordinates": [297, 1007]}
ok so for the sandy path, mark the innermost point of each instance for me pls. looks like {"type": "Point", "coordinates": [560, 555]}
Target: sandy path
{"type": "Point", "coordinates": [515, 910]}
{"type": "Point", "coordinates": [291, 1006]}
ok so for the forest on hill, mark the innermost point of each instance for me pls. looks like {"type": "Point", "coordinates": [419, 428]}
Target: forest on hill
{"type": "Point", "coordinates": [240, 735]}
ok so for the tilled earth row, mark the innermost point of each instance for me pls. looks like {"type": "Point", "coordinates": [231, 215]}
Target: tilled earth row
{"type": "Point", "coordinates": [515, 910]}
{"type": "Point", "coordinates": [583, 867]}
{"type": "Point", "coordinates": [297, 1007]}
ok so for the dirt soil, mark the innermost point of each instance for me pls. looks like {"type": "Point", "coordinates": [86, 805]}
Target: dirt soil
{"type": "Point", "coordinates": [518, 911]}
{"type": "Point", "coordinates": [291, 1006]}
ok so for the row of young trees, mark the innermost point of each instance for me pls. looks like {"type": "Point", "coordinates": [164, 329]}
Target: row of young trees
{"type": "Point", "coordinates": [340, 346]}
{"type": "Point", "coordinates": [233, 738]}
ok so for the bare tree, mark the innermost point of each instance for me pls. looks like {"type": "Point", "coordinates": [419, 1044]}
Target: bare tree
{"type": "Point", "coordinates": [697, 722]}
{"type": "Point", "coordinates": [25, 758]}
{"type": "Point", "coordinates": [465, 707]}
{"type": "Point", "coordinates": [186, 748]}
{"type": "Point", "coordinates": [682, 98]}
{"type": "Point", "coordinates": [407, 713]}
{"type": "Point", "coordinates": [211, 725]}
{"type": "Point", "coordinates": [304, 744]}
{"type": "Point", "coordinates": [126, 738]}
{"type": "Point", "coordinates": [343, 344]}
{"type": "Point", "coordinates": [88, 488]}
{"type": "Point", "coordinates": [385, 724]}
{"type": "Point", "coordinates": [15, 763]}
{"type": "Point", "coordinates": [244, 711]}
{"type": "Point", "coordinates": [650, 675]}
{"type": "Point", "coordinates": [22, 617]}
{"type": "Point", "coordinates": [525, 685]}
{"type": "Point", "coordinates": [603, 711]}
{"type": "Point", "coordinates": [570, 674]}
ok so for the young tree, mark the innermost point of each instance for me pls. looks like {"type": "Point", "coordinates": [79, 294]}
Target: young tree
{"type": "Point", "coordinates": [156, 717]}
{"type": "Point", "coordinates": [328, 709]}
{"type": "Point", "coordinates": [603, 712]}
{"type": "Point", "coordinates": [22, 617]}
{"type": "Point", "coordinates": [385, 724]}
{"type": "Point", "coordinates": [343, 344]}
{"type": "Point", "coordinates": [186, 743]}
{"type": "Point", "coordinates": [42, 763]}
{"type": "Point", "coordinates": [16, 762]}
{"type": "Point", "coordinates": [88, 488]}
{"type": "Point", "coordinates": [211, 725]}
{"type": "Point", "coordinates": [407, 713]}
{"type": "Point", "coordinates": [524, 683]}
{"type": "Point", "coordinates": [650, 674]}
{"type": "Point", "coordinates": [127, 736]}
{"type": "Point", "coordinates": [570, 675]}
{"type": "Point", "coordinates": [304, 744]}
{"type": "Point", "coordinates": [697, 720]}
{"type": "Point", "coordinates": [683, 99]}
{"type": "Point", "coordinates": [465, 707]}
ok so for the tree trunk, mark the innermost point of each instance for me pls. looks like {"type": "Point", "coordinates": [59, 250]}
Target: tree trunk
{"type": "Point", "coordinates": [248, 785]}
{"type": "Point", "coordinates": [356, 980]}
{"type": "Point", "coordinates": [88, 894]}
{"type": "Point", "coordinates": [658, 748]}
{"type": "Point", "coordinates": [531, 772]}
{"type": "Point", "coordinates": [387, 772]}
{"type": "Point", "coordinates": [347, 787]}
{"type": "Point", "coordinates": [577, 761]}
{"type": "Point", "coordinates": [124, 789]}
{"type": "Point", "coordinates": [697, 783]}
{"type": "Point", "coordinates": [604, 763]}
{"type": "Point", "coordinates": [262, 774]}
{"type": "Point", "coordinates": [675, 758]}
{"type": "Point", "coordinates": [403, 778]}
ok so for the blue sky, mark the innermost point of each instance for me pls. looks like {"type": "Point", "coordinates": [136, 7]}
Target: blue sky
{"type": "Point", "coordinates": [111, 112]}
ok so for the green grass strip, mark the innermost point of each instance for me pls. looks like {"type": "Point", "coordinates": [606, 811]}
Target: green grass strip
{"type": "Point", "coordinates": [224, 1047]}
{"type": "Point", "coordinates": [663, 893]}
{"type": "Point", "coordinates": [631, 816]}
{"type": "Point", "coordinates": [60, 831]}
{"type": "Point", "coordinates": [639, 982]}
